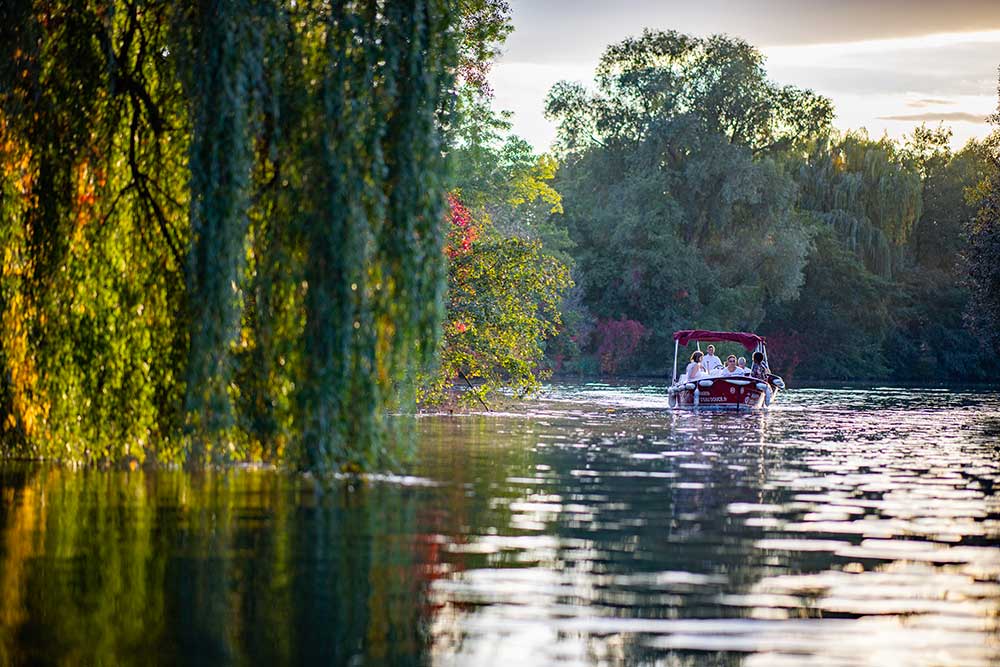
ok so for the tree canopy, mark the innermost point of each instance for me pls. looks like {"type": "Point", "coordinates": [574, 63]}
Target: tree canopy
{"type": "Point", "coordinates": [697, 192]}
{"type": "Point", "coordinates": [983, 252]}
{"type": "Point", "coordinates": [717, 83]}
{"type": "Point", "coordinates": [223, 223]}
{"type": "Point", "coordinates": [507, 255]}
{"type": "Point", "coordinates": [675, 193]}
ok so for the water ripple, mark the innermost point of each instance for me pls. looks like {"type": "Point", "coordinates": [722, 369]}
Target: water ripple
{"type": "Point", "coordinates": [843, 527]}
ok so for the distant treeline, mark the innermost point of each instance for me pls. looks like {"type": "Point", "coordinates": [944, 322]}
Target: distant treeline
{"type": "Point", "coordinates": [698, 194]}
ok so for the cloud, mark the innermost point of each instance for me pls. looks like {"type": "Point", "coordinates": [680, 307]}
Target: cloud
{"type": "Point", "coordinates": [578, 30]}
{"type": "Point", "coordinates": [834, 81]}
{"type": "Point", "coordinates": [934, 67]}
{"type": "Point", "coordinates": [959, 116]}
{"type": "Point", "coordinates": [929, 102]}
{"type": "Point", "coordinates": [882, 74]}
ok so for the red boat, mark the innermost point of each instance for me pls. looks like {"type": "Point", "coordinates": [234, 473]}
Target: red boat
{"type": "Point", "coordinates": [733, 391]}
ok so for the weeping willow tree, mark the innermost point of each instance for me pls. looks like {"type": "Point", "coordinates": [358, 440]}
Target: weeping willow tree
{"type": "Point", "coordinates": [91, 219]}
{"type": "Point", "coordinates": [221, 43]}
{"type": "Point", "coordinates": [221, 224]}
{"type": "Point", "coordinates": [373, 227]}
{"type": "Point", "coordinates": [869, 192]}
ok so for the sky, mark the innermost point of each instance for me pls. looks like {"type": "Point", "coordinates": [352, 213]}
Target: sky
{"type": "Point", "coordinates": [888, 65]}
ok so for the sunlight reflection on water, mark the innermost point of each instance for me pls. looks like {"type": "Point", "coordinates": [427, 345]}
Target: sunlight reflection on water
{"type": "Point", "coordinates": [590, 526]}
{"type": "Point", "coordinates": [842, 527]}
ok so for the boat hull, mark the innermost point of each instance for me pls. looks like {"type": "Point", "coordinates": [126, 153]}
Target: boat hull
{"type": "Point", "coordinates": [723, 393]}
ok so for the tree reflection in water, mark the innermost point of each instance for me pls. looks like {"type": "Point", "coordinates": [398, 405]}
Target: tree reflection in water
{"type": "Point", "coordinates": [594, 527]}
{"type": "Point", "coordinates": [241, 566]}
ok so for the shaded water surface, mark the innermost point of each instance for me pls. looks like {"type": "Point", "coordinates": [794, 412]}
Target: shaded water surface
{"type": "Point", "coordinates": [589, 527]}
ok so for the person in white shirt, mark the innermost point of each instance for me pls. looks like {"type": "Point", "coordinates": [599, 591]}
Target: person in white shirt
{"type": "Point", "coordinates": [711, 362]}
{"type": "Point", "coordinates": [694, 369]}
{"type": "Point", "coordinates": [731, 368]}
{"type": "Point", "coordinates": [741, 365]}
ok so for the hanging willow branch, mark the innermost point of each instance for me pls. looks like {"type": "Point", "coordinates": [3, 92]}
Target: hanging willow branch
{"type": "Point", "coordinates": [226, 45]}
{"type": "Point", "coordinates": [375, 270]}
{"type": "Point", "coordinates": [222, 224]}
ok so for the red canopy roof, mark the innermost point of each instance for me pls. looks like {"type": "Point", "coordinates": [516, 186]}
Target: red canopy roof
{"type": "Point", "coordinates": [747, 340]}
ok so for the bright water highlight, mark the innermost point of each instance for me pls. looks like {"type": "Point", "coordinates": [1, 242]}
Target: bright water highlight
{"type": "Point", "coordinates": [591, 526]}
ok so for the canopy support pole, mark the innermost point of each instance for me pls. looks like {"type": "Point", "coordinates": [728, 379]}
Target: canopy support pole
{"type": "Point", "coordinates": [676, 347]}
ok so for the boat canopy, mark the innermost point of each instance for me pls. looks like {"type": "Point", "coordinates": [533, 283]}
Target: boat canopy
{"type": "Point", "coordinates": [748, 340]}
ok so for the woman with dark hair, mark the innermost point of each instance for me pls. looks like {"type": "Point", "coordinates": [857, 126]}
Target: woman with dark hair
{"type": "Point", "coordinates": [759, 369]}
{"type": "Point", "coordinates": [694, 368]}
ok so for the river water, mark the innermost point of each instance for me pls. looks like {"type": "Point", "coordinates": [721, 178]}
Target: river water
{"type": "Point", "coordinates": [590, 526]}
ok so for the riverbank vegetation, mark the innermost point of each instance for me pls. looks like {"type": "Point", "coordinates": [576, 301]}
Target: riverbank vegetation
{"type": "Point", "coordinates": [221, 224]}
{"type": "Point", "coordinates": [697, 192]}
{"type": "Point", "coordinates": [252, 230]}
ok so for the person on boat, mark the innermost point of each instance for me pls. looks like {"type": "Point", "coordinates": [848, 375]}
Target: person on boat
{"type": "Point", "coordinates": [711, 362]}
{"type": "Point", "coordinates": [731, 367]}
{"type": "Point", "coordinates": [694, 369]}
{"type": "Point", "coordinates": [759, 369]}
{"type": "Point", "coordinates": [741, 365]}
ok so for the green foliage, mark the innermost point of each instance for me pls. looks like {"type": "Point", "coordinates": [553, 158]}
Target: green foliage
{"type": "Point", "coordinates": [507, 253]}
{"type": "Point", "coordinates": [674, 194]}
{"type": "Point", "coordinates": [718, 83]}
{"type": "Point", "coordinates": [897, 311]}
{"type": "Point", "coordinates": [92, 312]}
{"type": "Point", "coordinates": [221, 224]}
{"type": "Point", "coordinates": [485, 25]}
{"type": "Point", "coordinates": [374, 270]}
{"type": "Point", "coordinates": [927, 340]}
{"type": "Point", "coordinates": [838, 324]}
{"type": "Point", "coordinates": [938, 236]}
{"type": "Point", "coordinates": [499, 173]}
{"type": "Point", "coordinates": [983, 255]}
{"type": "Point", "coordinates": [927, 302]}
{"type": "Point", "coordinates": [869, 191]}
{"type": "Point", "coordinates": [503, 302]}
{"type": "Point", "coordinates": [698, 193]}
{"type": "Point", "coordinates": [221, 81]}
{"type": "Point", "coordinates": [983, 252]}
{"type": "Point", "coordinates": [493, 167]}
